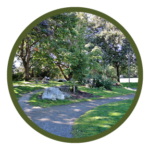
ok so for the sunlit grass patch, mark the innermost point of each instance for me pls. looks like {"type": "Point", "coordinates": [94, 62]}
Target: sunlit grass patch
{"type": "Point", "coordinates": [96, 120]}
{"type": "Point", "coordinates": [23, 87]}
{"type": "Point", "coordinates": [107, 93]}
{"type": "Point", "coordinates": [35, 101]}
{"type": "Point", "coordinates": [103, 94]}
{"type": "Point", "coordinates": [132, 84]}
{"type": "Point", "coordinates": [100, 118]}
{"type": "Point", "coordinates": [19, 90]}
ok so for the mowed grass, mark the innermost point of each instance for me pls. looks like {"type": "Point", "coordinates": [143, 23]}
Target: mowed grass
{"type": "Point", "coordinates": [22, 87]}
{"type": "Point", "coordinates": [132, 84]}
{"type": "Point", "coordinates": [100, 119]}
{"type": "Point", "coordinates": [35, 101]}
{"type": "Point", "coordinates": [94, 121]}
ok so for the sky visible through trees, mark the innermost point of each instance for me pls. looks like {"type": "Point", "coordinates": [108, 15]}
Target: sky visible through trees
{"type": "Point", "coordinates": [75, 45]}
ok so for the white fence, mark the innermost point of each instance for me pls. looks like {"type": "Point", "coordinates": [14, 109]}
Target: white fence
{"type": "Point", "coordinates": [124, 80]}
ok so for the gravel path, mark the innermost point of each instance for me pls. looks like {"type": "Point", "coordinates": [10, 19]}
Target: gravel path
{"type": "Point", "coordinates": [59, 120]}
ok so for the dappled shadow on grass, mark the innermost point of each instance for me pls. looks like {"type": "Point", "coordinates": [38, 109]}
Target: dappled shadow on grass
{"type": "Point", "coordinates": [107, 93]}
{"type": "Point", "coordinates": [63, 116]}
{"type": "Point", "coordinates": [100, 118]}
{"type": "Point", "coordinates": [19, 90]}
{"type": "Point", "coordinates": [37, 100]}
{"type": "Point", "coordinates": [132, 84]}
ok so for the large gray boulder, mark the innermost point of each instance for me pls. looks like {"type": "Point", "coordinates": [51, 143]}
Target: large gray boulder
{"type": "Point", "coordinates": [53, 93]}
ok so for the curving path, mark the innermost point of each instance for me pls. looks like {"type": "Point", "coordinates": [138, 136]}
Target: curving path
{"type": "Point", "coordinates": [59, 120]}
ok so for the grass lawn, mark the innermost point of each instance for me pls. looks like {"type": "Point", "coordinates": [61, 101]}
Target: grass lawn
{"type": "Point", "coordinates": [100, 118]}
{"type": "Point", "coordinates": [34, 100]}
{"type": "Point", "coordinates": [132, 84]}
{"type": "Point", "coordinates": [23, 87]}
{"type": "Point", "coordinates": [92, 122]}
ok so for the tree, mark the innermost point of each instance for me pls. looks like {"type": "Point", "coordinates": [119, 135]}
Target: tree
{"type": "Point", "coordinates": [67, 49]}
{"type": "Point", "coordinates": [13, 67]}
{"type": "Point", "coordinates": [133, 65]}
{"type": "Point", "coordinates": [78, 58]}
{"type": "Point", "coordinates": [58, 47]}
{"type": "Point", "coordinates": [25, 50]}
{"type": "Point", "coordinates": [113, 43]}
{"type": "Point", "coordinates": [46, 33]}
{"type": "Point", "coordinates": [114, 47]}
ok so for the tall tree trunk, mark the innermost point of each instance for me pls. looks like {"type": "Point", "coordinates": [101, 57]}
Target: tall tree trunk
{"type": "Point", "coordinates": [26, 75]}
{"type": "Point", "coordinates": [118, 75]}
{"type": "Point", "coordinates": [27, 60]}
{"type": "Point", "coordinates": [69, 76]}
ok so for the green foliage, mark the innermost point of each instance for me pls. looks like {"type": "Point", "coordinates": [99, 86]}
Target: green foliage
{"type": "Point", "coordinates": [19, 76]}
{"type": "Point", "coordinates": [113, 44]}
{"type": "Point", "coordinates": [102, 88]}
{"type": "Point", "coordinates": [121, 85]}
{"type": "Point", "coordinates": [70, 45]}
{"type": "Point", "coordinates": [107, 84]}
{"type": "Point", "coordinates": [132, 85]}
{"type": "Point", "coordinates": [102, 81]}
{"type": "Point", "coordinates": [45, 39]}
{"type": "Point", "coordinates": [115, 81]}
{"type": "Point", "coordinates": [98, 83]}
{"type": "Point", "coordinates": [34, 100]}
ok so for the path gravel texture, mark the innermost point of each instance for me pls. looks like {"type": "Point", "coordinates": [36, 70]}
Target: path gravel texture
{"type": "Point", "coordinates": [59, 120]}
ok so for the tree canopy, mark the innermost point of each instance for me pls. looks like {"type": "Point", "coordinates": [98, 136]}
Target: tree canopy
{"type": "Point", "coordinates": [75, 45]}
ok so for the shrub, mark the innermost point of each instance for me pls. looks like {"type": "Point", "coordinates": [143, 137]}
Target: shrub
{"type": "Point", "coordinates": [84, 81]}
{"type": "Point", "coordinates": [98, 83]}
{"type": "Point", "coordinates": [18, 76]}
{"type": "Point", "coordinates": [94, 83]}
{"type": "Point", "coordinates": [102, 81]}
{"type": "Point", "coordinates": [108, 84]}
{"type": "Point", "coordinates": [115, 81]}
{"type": "Point", "coordinates": [102, 88]}
{"type": "Point", "coordinates": [88, 81]}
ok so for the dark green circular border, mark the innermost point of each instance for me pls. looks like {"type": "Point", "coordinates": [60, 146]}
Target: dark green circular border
{"type": "Point", "coordinates": [10, 85]}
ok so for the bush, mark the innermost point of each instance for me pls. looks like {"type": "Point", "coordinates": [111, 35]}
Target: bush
{"type": "Point", "coordinates": [84, 81]}
{"type": "Point", "coordinates": [94, 83]}
{"type": "Point", "coordinates": [88, 81]}
{"type": "Point", "coordinates": [18, 76]}
{"type": "Point", "coordinates": [98, 83]}
{"type": "Point", "coordinates": [102, 81]}
{"type": "Point", "coordinates": [115, 81]}
{"type": "Point", "coordinates": [102, 88]}
{"type": "Point", "coordinates": [108, 84]}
